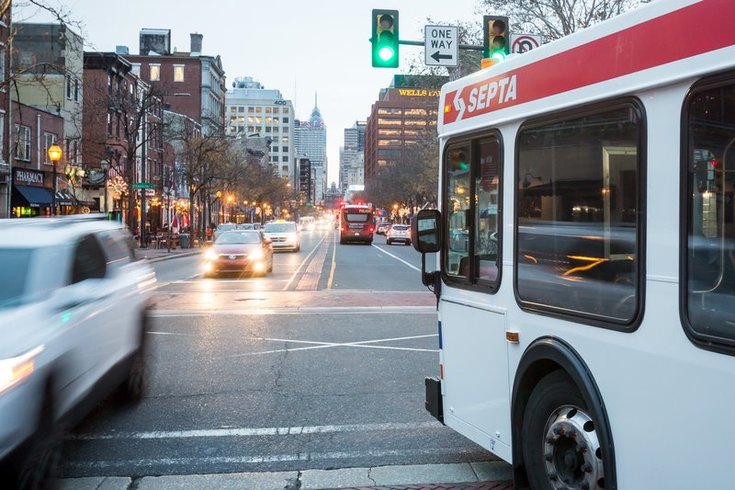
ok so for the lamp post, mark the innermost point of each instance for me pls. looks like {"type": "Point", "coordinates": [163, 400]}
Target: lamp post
{"type": "Point", "coordinates": [54, 154]}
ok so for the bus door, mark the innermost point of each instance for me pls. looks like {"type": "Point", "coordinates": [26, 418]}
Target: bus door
{"type": "Point", "coordinates": [475, 357]}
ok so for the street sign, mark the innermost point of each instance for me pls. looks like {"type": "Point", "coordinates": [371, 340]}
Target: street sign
{"type": "Point", "coordinates": [520, 43]}
{"type": "Point", "coordinates": [441, 45]}
{"type": "Point", "coordinates": [143, 185]}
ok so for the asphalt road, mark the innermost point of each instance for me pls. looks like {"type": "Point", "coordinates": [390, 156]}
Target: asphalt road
{"type": "Point", "coordinates": [320, 365]}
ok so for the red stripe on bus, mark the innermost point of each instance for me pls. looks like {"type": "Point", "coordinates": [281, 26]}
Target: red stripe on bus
{"type": "Point", "coordinates": [689, 31]}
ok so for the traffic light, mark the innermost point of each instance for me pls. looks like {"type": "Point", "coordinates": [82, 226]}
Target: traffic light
{"type": "Point", "coordinates": [496, 38]}
{"type": "Point", "coordinates": [385, 38]}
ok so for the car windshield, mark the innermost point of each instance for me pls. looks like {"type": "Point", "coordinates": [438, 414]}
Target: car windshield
{"type": "Point", "coordinates": [399, 227]}
{"type": "Point", "coordinates": [280, 227]}
{"type": "Point", "coordinates": [16, 262]}
{"type": "Point", "coordinates": [238, 238]}
{"type": "Point", "coordinates": [225, 227]}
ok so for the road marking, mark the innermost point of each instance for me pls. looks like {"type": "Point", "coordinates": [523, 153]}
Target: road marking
{"type": "Point", "coordinates": [364, 344]}
{"type": "Point", "coordinates": [259, 431]}
{"type": "Point", "coordinates": [309, 280]}
{"type": "Point", "coordinates": [397, 258]}
{"type": "Point", "coordinates": [334, 262]}
{"type": "Point", "coordinates": [272, 458]}
{"type": "Point", "coordinates": [300, 310]}
{"type": "Point", "coordinates": [313, 251]}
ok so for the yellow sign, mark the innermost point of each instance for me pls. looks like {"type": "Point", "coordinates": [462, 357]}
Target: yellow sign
{"type": "Point", "coordinates": [418, 92]}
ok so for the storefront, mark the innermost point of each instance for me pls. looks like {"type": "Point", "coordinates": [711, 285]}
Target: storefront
{"type": "Point", "coordinates": [30, 197]}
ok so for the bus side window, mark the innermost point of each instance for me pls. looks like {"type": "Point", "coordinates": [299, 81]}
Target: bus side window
{"type": "Point", "coordinates": [486, 211]}
{"type": "Point", "coordinates": [457, 168]}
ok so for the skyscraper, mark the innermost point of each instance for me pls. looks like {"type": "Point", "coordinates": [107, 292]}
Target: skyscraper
{"type": "Point", "coordinates": [311, 142]}
{"type": "Point", "coordinates": [352, 157]}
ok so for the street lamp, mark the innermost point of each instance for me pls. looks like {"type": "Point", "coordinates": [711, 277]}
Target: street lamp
{"type": "Point", "coordinates": [54, 154]}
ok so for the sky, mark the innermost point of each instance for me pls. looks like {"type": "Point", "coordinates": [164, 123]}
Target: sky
{"type": "Point", "coordinates": [298, 47]}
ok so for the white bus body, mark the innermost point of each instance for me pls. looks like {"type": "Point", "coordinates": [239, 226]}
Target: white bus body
{"type": "Point", "coordinates": [662, 391]}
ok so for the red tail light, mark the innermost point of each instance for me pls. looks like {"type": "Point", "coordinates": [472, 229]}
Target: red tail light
{"type": "Point", "coordinates": [343, 228]}
{"type": "Point", "coordinates": [370, 229]}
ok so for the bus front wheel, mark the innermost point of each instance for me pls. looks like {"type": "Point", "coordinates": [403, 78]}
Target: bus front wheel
{"type": "Point", "coordinates": [561, 447]}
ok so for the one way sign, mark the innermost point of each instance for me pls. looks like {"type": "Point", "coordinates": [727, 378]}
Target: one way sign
{"type": "Point", "coordinates": [441, 45]}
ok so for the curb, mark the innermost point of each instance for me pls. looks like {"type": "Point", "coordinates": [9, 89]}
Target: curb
{"type": "Point", "coordinates": [486, 475]}
{"type": "Point", "coordinates": [171, 256]}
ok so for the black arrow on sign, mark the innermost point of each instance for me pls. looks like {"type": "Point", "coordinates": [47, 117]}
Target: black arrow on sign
{"type": "Point", "coordinates": [438, 56]}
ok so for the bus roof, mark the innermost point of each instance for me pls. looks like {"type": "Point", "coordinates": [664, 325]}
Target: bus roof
{"type": "Point", "coordinates": [656, 44]}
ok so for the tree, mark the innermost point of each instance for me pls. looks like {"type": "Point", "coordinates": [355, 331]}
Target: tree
{"type": "Point", "coordinates": [553, 19]}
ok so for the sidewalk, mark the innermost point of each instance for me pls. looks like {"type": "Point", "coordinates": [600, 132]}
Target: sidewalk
{"type": "Point", "coordinates": [490, 475]}
{"type": "Point", "coordinates": [158, 254]}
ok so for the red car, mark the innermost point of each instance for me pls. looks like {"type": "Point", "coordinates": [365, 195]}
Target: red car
{"type": "Point", "coordinates": [239, 251]}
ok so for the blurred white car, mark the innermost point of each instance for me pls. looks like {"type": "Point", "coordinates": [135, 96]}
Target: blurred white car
{"type": "Point", "coordinates": [284, 235]}
{"type": "Point", "coordinates": [398, 233]}
{"type": "Point", "coordinates": [74, 308]}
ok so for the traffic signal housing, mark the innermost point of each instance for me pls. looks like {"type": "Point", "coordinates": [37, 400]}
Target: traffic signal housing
{"type": "Point", "coordinates": [496, 38]}
{"type": "Point", "coordinates": [385, 38]}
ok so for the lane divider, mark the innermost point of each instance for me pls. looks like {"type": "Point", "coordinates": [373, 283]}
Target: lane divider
{"type": "Point", "coordinates": [308, 257]}
{"type": "Point", "coordinates": [397, 258]}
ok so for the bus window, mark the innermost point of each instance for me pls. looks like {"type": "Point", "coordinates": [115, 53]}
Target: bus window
{"type": "Point", "coordinates": [486, 212]}
{"type": "Point", "coordinates": [710, 270]}
{"type": "Point", "coordinates": [578, 184]}
{"type": "Point", "coordinates": [457, 168]}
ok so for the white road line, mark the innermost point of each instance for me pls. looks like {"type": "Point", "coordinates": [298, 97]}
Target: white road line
{"type": "Point", "coordinates": [397, 258]}
{"type": "Point", "coordinates": [270, 458]}
{"type": "Point", "coordinates": [365, 344]}
{"type": "Point", "coordinates": [300, 310]}
{"type": "Point", "coordinates": [260, 431]}
{"type": "Point", "coordinates": [313, 251]}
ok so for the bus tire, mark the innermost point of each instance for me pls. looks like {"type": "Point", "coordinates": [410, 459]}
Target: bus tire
{"type": "Point", "coordinates": [560, 441]}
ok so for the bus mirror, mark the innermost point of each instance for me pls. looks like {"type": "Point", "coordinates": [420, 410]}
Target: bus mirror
{"type": "Point", "coordinates": [426, 230]}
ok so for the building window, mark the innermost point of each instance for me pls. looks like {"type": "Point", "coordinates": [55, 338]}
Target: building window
{"type": "Point", "coordinates": [285, 159]}
{"type": "Point", "coordinates": [233, 109]}
{"type": "Point", "coordinates": [178, 73]}
{"type": "Point", "coordinates": [285, 120]}
{"type": "Point", "coordinates": [23, 142]}
{"type": "Point", "coordinates": [136, 69]}
{"type": "Point", "coordinates": [389, 110]}
{"type": "Point", "coordinates": [389, 122]}
{"type": "Point", "coordinates": [48, 140]}
{"type": "Point", "coordinates": [2, 64]}
{"type": "Point", "coordinates": [276, 110]}
{"type": "Point", "coordinates": [2, 132]}
{"type": "Point", "coordinates": [76, 90]}
{"type": "Point", "coordinates": [155, 73]}
{"type": "Point", "coordinates": [251, 110]}
{"type": "Point", "coordinates": [268, 110]}
{"type": "Point", "coordinates": [259, 110]}
{"type": "Point", "coordinates": [285, 148]}
{"type": "Point", "coordinates": [69, 86]}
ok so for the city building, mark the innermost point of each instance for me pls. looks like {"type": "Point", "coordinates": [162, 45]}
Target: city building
{"type": "Point", "coordinates": [123, 138]}
{"type": "Point", "coordinates": [404, 113]}
{"type": "Point", "coordinates": [38, 186]}
{"type": "Point", "coordinates": [253, 112]}
{"type": "Point", "coordinates": [47, 63]}
{"type": "Point", "coordinates": [310, 138]}
{"type": "Point", "coordinates": [352, 157]}
{"type": "Point", "coordinates": [189, 83]}
{"type": "Point", "coordinates": [5, 173]}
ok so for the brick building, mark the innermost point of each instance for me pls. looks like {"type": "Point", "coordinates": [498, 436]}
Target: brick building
{"type": "Point", "coordinates": [189, 83]}
{"type": "Point", "coordinates": [34, 192]}
{"type": "Point", "coordinates": [399, 119]}
{"type": "Point", "coordinates": [123, 135]}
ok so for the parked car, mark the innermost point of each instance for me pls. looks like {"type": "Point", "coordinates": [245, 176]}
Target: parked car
{"type": "Point", "coordinates": [74, 309]}
{"type": "Point", "coordinates": [382, 228]}
{"type": "Point", "coordinates": [398, 233]}
{"type": "Point", "coordinates": [284, 235]}
{"type": "Point", "coordinates": [239, 251]}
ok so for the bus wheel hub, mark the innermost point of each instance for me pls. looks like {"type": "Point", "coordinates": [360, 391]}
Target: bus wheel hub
{"type": "Point", "coordinates": [572, 453]}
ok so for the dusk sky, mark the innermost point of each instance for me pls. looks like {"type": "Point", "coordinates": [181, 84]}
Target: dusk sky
{"type": "Point", "coordinates": [297, 47]}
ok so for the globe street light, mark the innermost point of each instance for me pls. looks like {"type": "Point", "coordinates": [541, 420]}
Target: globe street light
{"type": "Point", "coordinates": [54, 154]}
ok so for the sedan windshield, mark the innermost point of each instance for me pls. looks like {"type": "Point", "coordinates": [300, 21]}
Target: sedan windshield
{"type": "Point", "coordinates": [16, 263]}
{"type": "Point", "coordinates": [280, 227]}
{"type": "Point", "coordinates": [238, 238]}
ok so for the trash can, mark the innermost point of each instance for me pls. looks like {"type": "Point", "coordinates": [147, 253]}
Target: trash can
{"type": "Point", "coordinates": [184, 240]}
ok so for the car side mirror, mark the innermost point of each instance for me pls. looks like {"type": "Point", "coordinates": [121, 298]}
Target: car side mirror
{"type": "Point", "coordinates": [426, 230]}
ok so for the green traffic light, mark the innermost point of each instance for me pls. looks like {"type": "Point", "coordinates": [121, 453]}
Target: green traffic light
{"type": "Point", "coordinates": [498, 56]}
{"type": "Point", "coordinates": [386, 53]}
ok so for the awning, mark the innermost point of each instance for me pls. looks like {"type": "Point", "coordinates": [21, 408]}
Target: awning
{"type": "Point", "coordinates": [64, 198]}
{"type": "Point", "coordinates": [35, 197]}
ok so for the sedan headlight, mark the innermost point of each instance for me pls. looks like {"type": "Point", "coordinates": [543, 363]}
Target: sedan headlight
{"type": "Point", "coordinates": [16, 369]}
{"type": "Point", "coordinates": [210, 255]}
{"type": "Point", "coordinates": [256, 254]}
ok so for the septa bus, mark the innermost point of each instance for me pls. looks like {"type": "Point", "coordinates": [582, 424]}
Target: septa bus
{"type": "Point", "coordinates": [356, 224]}
{"type": "Point", "coordinates": [586, 254]}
